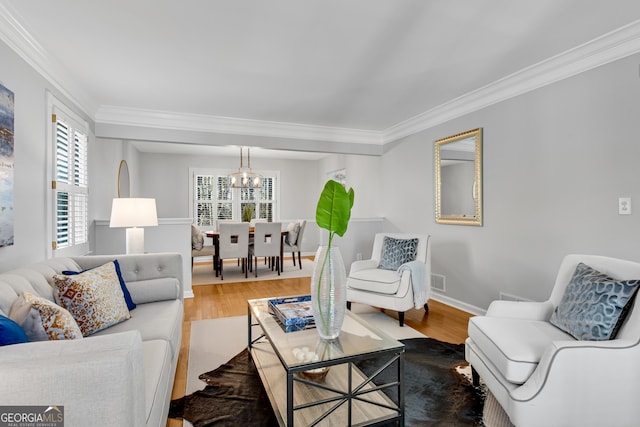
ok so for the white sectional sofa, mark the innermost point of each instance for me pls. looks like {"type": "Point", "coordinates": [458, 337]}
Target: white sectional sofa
{"type": "Point", "coordinates": [119, 376]}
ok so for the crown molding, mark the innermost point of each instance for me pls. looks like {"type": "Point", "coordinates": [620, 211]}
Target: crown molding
{"type": "Point", "coordinates": [228, 125]}
{"type": "Point", "coordinates": [610, 47]}
{"type": "Point", "coordinates": [18, 38]}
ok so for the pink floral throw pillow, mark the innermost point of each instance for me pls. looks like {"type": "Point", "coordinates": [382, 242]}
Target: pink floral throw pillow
{"type": "Point", "coordinates": [94, 298]}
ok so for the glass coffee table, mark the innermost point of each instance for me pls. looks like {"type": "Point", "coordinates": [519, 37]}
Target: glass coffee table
{"type": "Point", "coordinates": [328, 389]}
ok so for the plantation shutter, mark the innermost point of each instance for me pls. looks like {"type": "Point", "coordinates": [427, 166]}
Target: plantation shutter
{"type": "Point", "coordinates": [266, 200]}
{"type": "Point", "coordinates": [213, 198]}
{"type": "Point", "coordinates": [70, 186]}
{"type": "Point", "coordinates": [224, 198]}
{"type": "Point", "coordinates": [204, 193]}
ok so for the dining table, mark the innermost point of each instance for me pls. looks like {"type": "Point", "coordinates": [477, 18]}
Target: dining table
{"type": "Point", "coordinates": [215, 237]}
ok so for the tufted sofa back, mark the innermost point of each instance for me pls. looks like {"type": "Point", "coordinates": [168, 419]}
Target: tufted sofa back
{"type": "Point", "coordinates": [149, 277]}
{"type": "Point", "coordinates": [36, 279]}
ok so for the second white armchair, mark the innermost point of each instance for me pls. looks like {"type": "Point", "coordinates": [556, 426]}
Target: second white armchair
{"type": "Point", "coordinates": [398, 275]}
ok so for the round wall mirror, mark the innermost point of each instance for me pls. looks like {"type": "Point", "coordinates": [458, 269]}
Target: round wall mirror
{"type": "Point", "coordinates": [124, 181]}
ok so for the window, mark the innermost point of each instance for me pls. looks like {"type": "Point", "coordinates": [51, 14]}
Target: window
{"type": "Point", "coordinates": [69, 183]}
{"type": "Point", "coordinates": [213, 198]}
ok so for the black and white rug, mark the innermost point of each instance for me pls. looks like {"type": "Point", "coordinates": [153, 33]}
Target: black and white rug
{"type": "Point", "coordinates": [436, 393]}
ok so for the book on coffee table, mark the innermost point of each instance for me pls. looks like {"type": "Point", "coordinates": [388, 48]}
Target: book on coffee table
{"type": "Point", "coordinates": [293, 313]}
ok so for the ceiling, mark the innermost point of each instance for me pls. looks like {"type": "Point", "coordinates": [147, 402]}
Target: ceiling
{"type": "Point", "coordinates": [365, 65]}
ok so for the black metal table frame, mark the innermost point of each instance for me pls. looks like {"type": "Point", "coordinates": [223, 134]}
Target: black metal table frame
{"type": "Point", "coordinates": [395, 354]}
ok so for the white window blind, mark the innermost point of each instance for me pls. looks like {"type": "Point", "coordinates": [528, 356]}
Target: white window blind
{"type": "Point", "coordinates": [266, 199]}
{"type": "Point", "coordinates": [70, 184]}
{"type": "Point", "coordinates": [213, 198]}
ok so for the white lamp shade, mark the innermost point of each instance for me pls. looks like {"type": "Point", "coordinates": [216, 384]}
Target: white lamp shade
{"type": "Point", "coordinates": [132, 212]}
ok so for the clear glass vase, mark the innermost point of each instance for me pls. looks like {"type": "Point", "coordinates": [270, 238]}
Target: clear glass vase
{"type": "Point", "coordinates": [328, 292]}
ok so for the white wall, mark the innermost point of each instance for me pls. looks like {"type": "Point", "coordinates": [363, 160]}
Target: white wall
{"type": "Point", "coordinates": [555, 162]}
{"type": "Point", "coordinates": [31, 183]}
{"type": "Point", "coordinates": [165, 177]}
{"type": "Point", "coordinates": [365, 177]}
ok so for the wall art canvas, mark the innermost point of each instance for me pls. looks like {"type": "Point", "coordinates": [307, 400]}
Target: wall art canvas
{"type": "Point", "coordinates": [6, 166]}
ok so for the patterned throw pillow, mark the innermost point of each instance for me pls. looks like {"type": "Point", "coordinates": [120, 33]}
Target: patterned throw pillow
{"type": "Point", "coordinates": [396, 252]}
{"type": "Point", "coordinates": [29, 319]}
{"type": "Point", "coordinates": [127, 296]}
{"type": "Point", "coordinates": [594, 305]}
{"type": "Point", "coordinates": [56, 321]}
{"type": "Point", "coordinates": [292, 233]}
{"type": "Point", "coordinates": [94, 298]}
{"type": "Point", "coordinates": [197, 239]}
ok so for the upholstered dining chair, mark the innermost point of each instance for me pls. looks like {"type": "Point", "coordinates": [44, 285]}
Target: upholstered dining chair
{"type": "Point", "coordinates": [198, 248]}
{"type": "Point", "coordinates": [397, 277]}
{"type": "Point", "coordinates": [234, 244]}
{"type": "Point", "coordinates": [293, 240]}
{"type": "Point", "coordinates": [266, 243]}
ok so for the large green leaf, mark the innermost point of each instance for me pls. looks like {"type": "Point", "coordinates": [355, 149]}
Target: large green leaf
{"type": "Point", "coordinates": [334, 208]}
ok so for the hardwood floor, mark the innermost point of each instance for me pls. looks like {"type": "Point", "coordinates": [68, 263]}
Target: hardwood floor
{"type": "Point", "coordinates": [442, 322]}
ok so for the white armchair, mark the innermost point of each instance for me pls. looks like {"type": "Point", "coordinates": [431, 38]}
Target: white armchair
{"type": "Point", "coordinates": [543, 376]}
{"type": "Point", "coordinates": [392, 289]}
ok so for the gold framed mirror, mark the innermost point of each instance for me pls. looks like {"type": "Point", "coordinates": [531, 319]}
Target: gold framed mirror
{"type": "Point", "coordinates": [458, 170]}
{"type": "Point", "coordinates": [124, 180]}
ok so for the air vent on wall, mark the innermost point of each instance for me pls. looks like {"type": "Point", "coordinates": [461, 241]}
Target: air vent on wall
{"type": "Point", "coordinates": [438, 283]}
{"type": "Point", "coordinates": [509, 297]}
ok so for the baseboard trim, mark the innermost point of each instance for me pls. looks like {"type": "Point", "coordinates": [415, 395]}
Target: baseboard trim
{"type": "Point", "coordinates": [458, 304]}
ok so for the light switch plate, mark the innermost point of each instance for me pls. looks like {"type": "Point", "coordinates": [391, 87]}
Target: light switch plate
{"type": "Point", "coordinates": [624, 205]}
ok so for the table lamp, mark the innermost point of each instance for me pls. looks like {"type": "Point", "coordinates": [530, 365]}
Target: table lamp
{"type": "Point", "coordinates": [134, 213]}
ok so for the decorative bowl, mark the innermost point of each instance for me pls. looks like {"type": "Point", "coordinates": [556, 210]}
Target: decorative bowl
{"type": "Point", "coordinates": [315, 375]}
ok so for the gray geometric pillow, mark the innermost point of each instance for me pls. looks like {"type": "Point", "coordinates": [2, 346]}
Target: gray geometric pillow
{"type": "Point", "coordinates": [396, 252]}
{"type": "Point", "coordinates": [594, 305]}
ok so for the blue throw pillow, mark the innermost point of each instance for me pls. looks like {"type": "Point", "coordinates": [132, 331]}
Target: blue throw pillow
{"type": "Point", "coordinates": [396, 252]}
{"type": "Point", "coordinates": [11, 332]}
{"type": "Point", "coordinates": [127, 296]}
{"type": "Point", "coordinates": [594, 305]}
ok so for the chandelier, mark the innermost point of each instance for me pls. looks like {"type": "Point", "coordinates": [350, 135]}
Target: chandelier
{"type": "Point", "coordinates": [245, 177]}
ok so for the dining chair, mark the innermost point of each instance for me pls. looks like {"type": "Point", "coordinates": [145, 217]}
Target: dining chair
{"type": "Point", "coordinates": [198, 248]}
{"type": "Point", "coordinates": [228, 221]}
{"type": "Point", "coordinates": [224, 221]}
{"type": "Point", "coordinates": [293, 240]}
{"type": "Point", "coordinates": [266, 243]}
{"type": "Point", "coordinates": [234, 244]}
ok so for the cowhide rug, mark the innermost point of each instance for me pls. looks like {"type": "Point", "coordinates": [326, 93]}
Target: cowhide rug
{"type": "Point", "coordinates": [436, 392]}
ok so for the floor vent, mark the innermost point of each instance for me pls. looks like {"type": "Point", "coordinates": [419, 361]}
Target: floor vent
{"type": "Point", "coordinates": [438, 283]}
